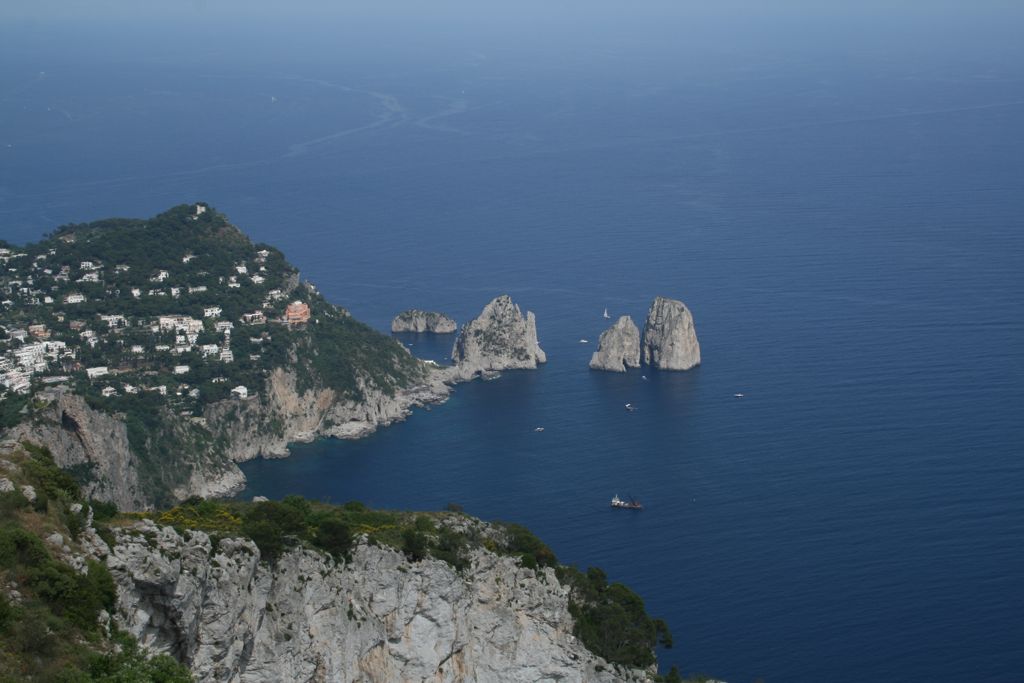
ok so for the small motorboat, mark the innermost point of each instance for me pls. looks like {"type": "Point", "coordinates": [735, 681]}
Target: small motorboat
{"type": "Point", "coordinates": [584, 341]}
{"type": "Point", "coordinates": [630, 407]}
{"type": "Point", "coordinates": [737, 395]}
{"type": "Point", "coordinates": [538, 429]}
{"type": "Point", "coordinates": [606, 313]}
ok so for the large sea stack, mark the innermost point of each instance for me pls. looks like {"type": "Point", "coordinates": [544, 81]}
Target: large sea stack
{"type": "Point", "coordinates": [500, 338]}
{"type": "Point", "coordinates": [618, 348]}
{"type": "Point", "coordinates": [670, 340]}
{"type": "Point", "coordinates": [415, 320]}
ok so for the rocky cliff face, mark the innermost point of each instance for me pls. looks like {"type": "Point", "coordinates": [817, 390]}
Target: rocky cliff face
{"type": "Point", "coordinates": [265, 424]}
{"type": "Point", "coordinates": [415, 320]}
{"type": "Point", "coordinates": [230, 617]}
{"type": "Point", "coordinates": [670, 340]}
{"type": "Point", "coordinates": [92, 444]}
{"type": "Point", "coordinates": [96, 447]}
{"type": "Point", "coordinates": [618, 348]}
{"type": "Point", "coordinates": [500, 338]}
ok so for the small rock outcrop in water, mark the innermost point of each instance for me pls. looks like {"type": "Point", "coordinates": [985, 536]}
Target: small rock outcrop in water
{"type": "Point", "coordinates": [415, 320]}
{"type": "Point", "coordinates": [500, 338]}
{"type": "Point", "coordinates": [670, 340]}
{"type": "Point", "coordinates": [618, 347]}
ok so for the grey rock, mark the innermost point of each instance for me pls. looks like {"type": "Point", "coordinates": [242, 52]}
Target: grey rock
{"type": "Point", "coordinates": [415, 320]}
{"type": "Point", "coordinates": [500, 338]}
{"type": "Point", "coordinates": [77, 435]}
{"type": "Point", "coordinates": [260, 499]}
{"type": "Point", "coordinates": [56, 540]}
{"type": "Point", "coordinates": [670, 340]}
{"type": "Point", "coordinates": [29, 492]}
{"type": "Point", "coordinates": [230, 617]}
{"type": "Point", "coordinates": [618, 348]}
{"type": "Point", "coordinates": [6, 485]}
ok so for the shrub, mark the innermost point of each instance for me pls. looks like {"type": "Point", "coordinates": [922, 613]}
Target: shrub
{"type": "Point", "coordinates": [531, 549]}
{"type": "Point", "coordinates": [274, 527]}
{"type": "Point", "coordinates": [46, 476]}
{"type": "Point", "coordinates": [611, 620]}
{"type": "Point", "coordinates": [333, 536]}
{"type": "Point", "coordinates": [414, 544]}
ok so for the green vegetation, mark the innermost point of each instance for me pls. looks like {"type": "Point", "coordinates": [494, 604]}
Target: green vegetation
{"type": "Point", "coordinates": [179, 263]}
{"type": "Point", "coordinates": [50, 626]}
{"type": "Point", "coordinates": [611, 619]}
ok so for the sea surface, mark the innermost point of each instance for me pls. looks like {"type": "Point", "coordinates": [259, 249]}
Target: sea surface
{"type": "Point", "coordinates": [837, 198]}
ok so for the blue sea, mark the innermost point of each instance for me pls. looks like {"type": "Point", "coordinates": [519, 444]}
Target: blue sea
{"type": "Point", "coordinates": [836, 193]}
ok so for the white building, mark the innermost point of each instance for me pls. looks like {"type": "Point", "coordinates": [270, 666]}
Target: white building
{"type": "Point", "coordinates": [181, 369]}
{"type": "Point", "coordinates": [240, 392]}
{"type": "Point", "coordinates": [98, 371]}
{"type": "Point", "coordinates": [179, 323]}
{"type": "Point", "coordinates": [212, 312]}
{"type": "Point", "coordinates": [74, 298]}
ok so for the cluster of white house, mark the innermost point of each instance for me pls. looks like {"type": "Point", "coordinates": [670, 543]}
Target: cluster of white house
{"type": "Point", "coordinates": [19, 365]}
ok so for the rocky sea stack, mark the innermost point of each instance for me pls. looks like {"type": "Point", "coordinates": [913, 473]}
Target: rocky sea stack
{"type": "Point", "coordinates": [618, 348]}
{"type": "Point", "coordinates": [500, 338]}
{"type": "Point", "coordinates": [670, 340]}
{"type": "Point", "coordinates": [415, 320]}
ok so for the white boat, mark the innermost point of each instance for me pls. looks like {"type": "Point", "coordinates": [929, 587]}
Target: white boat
{"type": "Point", "coordinates": [606, 313]}
{"type": "Point", "coordinates": [737, 395]}
{"type": "Point", "coordinates": [538, 429]}
{"type": "Point", "coordinates": [626, 504]}
{"type": "Point", "coordinates": [584, 341]}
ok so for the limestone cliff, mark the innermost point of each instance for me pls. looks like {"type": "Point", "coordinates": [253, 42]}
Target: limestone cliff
{"type": "Point", "coordinates": [500, 338]}
{"type": "Point", "coordinates": [670, 340]}
{"type": "Point", "coordinates": [90, 443]}
{"type": "Point", "coordinates": [265, 424]}
{"type": "Point", "coordinates": [618, 348]}
{"type": "Point", "coordinates": [415, 320]}
{"type": "Point", "coordinates": [378, 617]}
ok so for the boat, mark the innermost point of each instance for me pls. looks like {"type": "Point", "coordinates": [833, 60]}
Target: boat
{"type": "Point", "coordinates": [630, 504]}
{"type": "Point", "coordinates": [538, 429]}
{"type": "Point", "coordinates": [606, 313]}
{"type": "Point", "coordinates": [630, 407]}
{"type": "Point", "coordinates": [737, 395]}
{"type": "Point", "coordinates": [584, 341]}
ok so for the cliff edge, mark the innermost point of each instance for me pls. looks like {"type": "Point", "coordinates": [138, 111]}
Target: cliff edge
{"type": "Point", "coordinates": [415, 320]}
{"type": "Point", "coordinates": [500, 338]}
{"type": "Point", "coordinates": [670, 339]}
{"type": "Point", "coordinates": [618, 348]}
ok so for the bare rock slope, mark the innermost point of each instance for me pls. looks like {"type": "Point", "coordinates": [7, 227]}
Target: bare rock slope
{"type": "Point", "coordinates": [230, 617]}
{"type": "Point", "coordinates": [415, 320]}
{"type": "Point", "coordinates": [618, 348]}
{"type": "Point", "coordinates": [670, 339]}
{"type": "Point", "coordinates": [500, 338]}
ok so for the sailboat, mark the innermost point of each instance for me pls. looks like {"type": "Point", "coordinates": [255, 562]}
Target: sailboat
{"type": "Point", "coordinates": [606, 313]}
